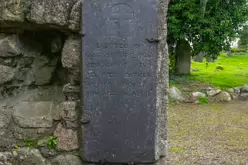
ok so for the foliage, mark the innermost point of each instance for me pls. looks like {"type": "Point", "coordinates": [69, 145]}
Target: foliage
{"type": "Point", "coordinates": [209, 25]}
{"type": "Point", "coordinates": [243, 42]}
{"type": "Point", "coordinates": [203, 100]}
{"type": "Point", "coordinates": [16, 146]}
{"type": "Point", "coordinates": [52, 142]}
{"type": "Point", "coordinates": [29, 143]}
{"type": "Point", "coordinates": [238, 50]}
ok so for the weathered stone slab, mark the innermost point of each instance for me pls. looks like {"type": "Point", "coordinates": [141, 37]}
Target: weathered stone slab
{"type": "Point", "coordinates": [34, 114]}
{"type": "Point", "coordinates": [124, 80]}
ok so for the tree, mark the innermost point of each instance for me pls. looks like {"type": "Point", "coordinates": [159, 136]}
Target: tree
{"type": "Point", "coordinates": [208, 25]}
{"type": "Point", "coordinates": [243, 38]}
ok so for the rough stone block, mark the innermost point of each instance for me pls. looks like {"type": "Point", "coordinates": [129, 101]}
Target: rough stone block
{"type": "Point", "coordinates": [6, 139]}
{"type": "Point", "coordinates": [50, 11]}
{"type": "Point", "coordinates": [71, 92]}
{"type": "Point", "coordinates": [10, 46]}
{"type": "Point", "coordinates": [75, 16]}
{"type": "Point", "coordinates": [33, 114]}
{"type": "Point", "coordinates": [68, 111]}
{"type": "Point", "coordinates": [6, 74]}
{"type": "Point", "coordinates": [71, 53]}
{"type": "Point", "coordinates": [23, 156]}
{"type": "Point", "coordinates": [44, 75]}
{"type": "Point", "coordinates": [4, 120]}
{"type": "Point", "coordinates": [30, 133]}
{"type": "Point", "coordinates": [67, 138]}
{"type": "Point", "coordinates": [67, 160]}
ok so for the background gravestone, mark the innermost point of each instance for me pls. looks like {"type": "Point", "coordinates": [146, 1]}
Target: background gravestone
{"type": "Point", "coordinates": [124, 81]}
{"type": "Point", "coordinates": [183, 57]}
{"type": "Point", "coordinates": [199, 57]}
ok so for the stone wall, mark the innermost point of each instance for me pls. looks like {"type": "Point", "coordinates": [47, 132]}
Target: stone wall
{"type": "Point", "coordinates": [39, 81]}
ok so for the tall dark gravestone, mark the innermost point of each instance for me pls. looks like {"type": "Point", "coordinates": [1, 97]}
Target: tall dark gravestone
{"type": "Point", "coordinates": [124, 81]}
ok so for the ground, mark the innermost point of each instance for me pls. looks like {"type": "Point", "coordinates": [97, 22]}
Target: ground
{"type": "Point", "coordinates": [211, 134]}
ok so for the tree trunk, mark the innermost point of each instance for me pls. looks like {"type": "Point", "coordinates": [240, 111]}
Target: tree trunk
{"type": "Point", "coordinates": [183, 58]}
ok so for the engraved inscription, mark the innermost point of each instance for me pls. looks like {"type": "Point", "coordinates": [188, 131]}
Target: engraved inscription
{"type": "Point", "coordinates": [120, 16]}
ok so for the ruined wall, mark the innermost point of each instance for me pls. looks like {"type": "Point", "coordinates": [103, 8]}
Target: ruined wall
{"type": "Point", "coordinates": [39, 81]}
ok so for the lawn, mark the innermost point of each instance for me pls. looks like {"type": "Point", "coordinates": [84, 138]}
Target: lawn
{"type": "Point", "coordinates": [234, 73]}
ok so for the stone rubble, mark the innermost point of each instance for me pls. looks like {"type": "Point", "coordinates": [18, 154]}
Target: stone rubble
{"type": "Point", "coordinates": [212, 93]}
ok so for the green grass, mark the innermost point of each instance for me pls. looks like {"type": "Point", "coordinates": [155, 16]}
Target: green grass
{"type": "Point", "coordinates": [235, 71]}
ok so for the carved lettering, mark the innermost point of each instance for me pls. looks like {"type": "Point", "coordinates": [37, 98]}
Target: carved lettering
{"type": "Point", "coordinates": [137, 74]}
{"type": "Point", "coordinates": [98, 65]}
{"type": "Point", "coordinates": [98, 75]}
{"type": "Point", "coordinates": [99, 84]}
{"type": "Point", "coordinates": [109, 93]}
{"type": "Point", "coordinates": [137, 93]}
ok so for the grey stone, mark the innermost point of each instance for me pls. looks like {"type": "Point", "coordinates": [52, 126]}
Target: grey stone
{"type": "Point", "coordinates": [4, 120]}
{"type": "Point", "coordinates": [67, 160]}
{"type": "Point", "coordinates": [69, 114]}
{"type": "Point", "coordinates": [244, 89]}
{"type": "Point", "coordinates": [68, 111]}
{"type": "Point", "coordinates": [71, 92]}
{"type": "Point", "coordinates": [67, 138]}
{"type": "Point", "coordinates": [74, 76]}
{"type": "Point", "coordinates": [33, 114]}
{"type": "Point", "coordinates": [30, 133]}
{"type": "Point", "coordinates": [25, 62]}
{"type": "Point", "coordinates": [44, 75]}
{"type": "Point", "coordinates": [244, 95]}
{"type": "Point", "coordinates": [7, 74]}
{"type": "Point", "coordinates": [10, 46]}
{"type": "Point", "coordinates": [6, 139]}
{"type": "Point", "coordinates": [51, 11]}
{"type": "Point", "coordinates": [223, 97]}
{"type": "Point", "coordinates": [234, 92]}
{"type": "Point", "coordinates": [42, 142]}
{"type": "Point", "coordinates": [12, 11]}
{"type": "Point", "coordinates": [61, 14]}
{"type": "Point", "coordinates": [230, 90]}
{"type": "Point", "coordinates": [46, 152]}
{"type": "Point", "coordinates": [198, 94]}
{"type": "Point", "coordinates": [23, 156]}
{"type": "Point", "coordinates": [125, 80]}
{"type": "Point", "coordinates": [42, 93]}
{"type": "Point", "coordinates": [8, 61]}
{"type": "Point", "coordinates": [71, 53]}
{"type": "Point", "coordinates": [56, 44]}
{"type": "Point", "coordinates": [237, 90]}
{"type": "Point", "coordinates": [75, 16]}
{"type": "Point", "coordinates": [213, 92]}
{"type": "Point", "coordinates": [40, 61]}
{"type": "Point", "coordinates": [70, 124]}
{"type": "Point", "coordinates": [175, 94]}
